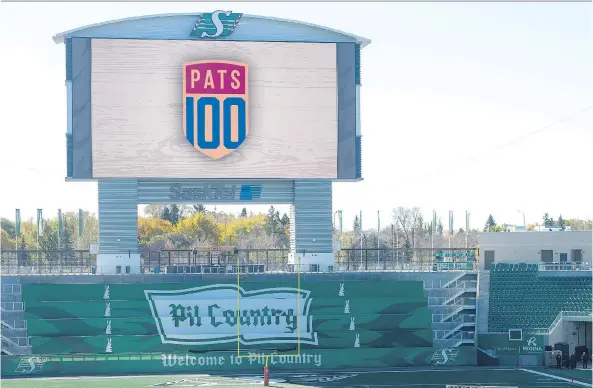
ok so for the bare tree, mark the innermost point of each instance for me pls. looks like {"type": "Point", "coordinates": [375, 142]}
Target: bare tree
{"type": "Point", "coordinates": [154, 210]}
{"type": "Point", "coordinates": [401, 219]}
{"type": "Point", "coordinates": [419, 230]}
{"type": "Point", "coordinates": [406, 219]}
{"type": "Point", "coordinates": [258, 238]}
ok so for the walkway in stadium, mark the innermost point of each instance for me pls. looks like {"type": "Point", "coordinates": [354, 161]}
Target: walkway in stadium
{"type": "Point", "coordinates": [408, 377]}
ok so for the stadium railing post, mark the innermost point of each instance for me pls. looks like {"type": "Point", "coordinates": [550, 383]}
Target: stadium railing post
{"type": "Point", "coordinates": [266, 374]}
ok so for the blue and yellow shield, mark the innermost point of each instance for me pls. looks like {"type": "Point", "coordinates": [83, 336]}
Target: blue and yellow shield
{"type": "Point", "coordinates": [215, 114]}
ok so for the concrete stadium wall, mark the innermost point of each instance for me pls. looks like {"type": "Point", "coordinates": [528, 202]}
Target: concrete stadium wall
{"type": "Point", "coordinates": [527, 352]}
{"type": "Point", "coordinates": [563, 333]}
{"type": "Point", "coordinates": [426, 277]}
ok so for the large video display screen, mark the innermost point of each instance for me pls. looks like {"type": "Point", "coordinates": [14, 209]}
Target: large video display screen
{"type": "Point", "coordinates": [213, 109]}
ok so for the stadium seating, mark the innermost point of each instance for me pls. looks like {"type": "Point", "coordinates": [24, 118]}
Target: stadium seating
{"type": "Point", "coordinates": [520, 298]}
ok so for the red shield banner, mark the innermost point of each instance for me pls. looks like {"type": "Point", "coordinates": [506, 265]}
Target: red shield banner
{"type": "Point", "coordinates": [215, 106]}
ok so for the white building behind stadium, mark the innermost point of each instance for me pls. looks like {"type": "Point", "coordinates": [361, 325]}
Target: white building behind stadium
{"type": "Point", "coordinates": [546, 247]}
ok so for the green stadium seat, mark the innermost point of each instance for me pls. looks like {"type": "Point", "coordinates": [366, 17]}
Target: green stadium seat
{"type": "Point", "coordinates": [519, 298]}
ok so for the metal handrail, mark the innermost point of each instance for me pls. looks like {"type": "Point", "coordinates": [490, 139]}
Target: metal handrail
{"type": "Point", "coordinates": [11, 324]}
{"type": "Point", "coordinates": [557, 320]}
{"type": "Point", "coordinates": [213, 269]}
{"type": "Point", "coordinates": [457, 310]}
{"type": "Point", "coordinates": [114, 356]}
{"type": "Point", "coordinates": [351, 258]}
{"type": "Point", "coordinates": [14, 306]}
{"type": "Point", "coordinates": [454, 280]}
{"type": "Point", "coordinates": [564, 266]}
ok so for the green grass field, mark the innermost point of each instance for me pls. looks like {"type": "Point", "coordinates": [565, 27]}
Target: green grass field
{"type": "Point", "coordinates": [405, 377]}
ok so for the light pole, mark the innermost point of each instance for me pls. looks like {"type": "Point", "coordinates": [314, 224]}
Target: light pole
{"type": "Point", "coordinates": [334, 221]}
{"type": "Point", "coordinates": [225, 227]}
{"type": "Point", "coordinates": [524, 224]}
{"type": "Point", "coordinates": [361, 239]}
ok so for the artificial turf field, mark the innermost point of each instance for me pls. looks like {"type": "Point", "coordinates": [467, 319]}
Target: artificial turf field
{"type": "Point", "coordinates": [404, 377]}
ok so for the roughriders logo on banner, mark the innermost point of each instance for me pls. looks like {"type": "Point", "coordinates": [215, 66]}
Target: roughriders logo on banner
{"type": "Point", "coordinates": [30, 365]}
{"type": "Point", "coordinates": [444, 356]}
{"type": "Point", "coordinates": [209, 315]}
{"type": "Point", "coordinates": [215, 111]}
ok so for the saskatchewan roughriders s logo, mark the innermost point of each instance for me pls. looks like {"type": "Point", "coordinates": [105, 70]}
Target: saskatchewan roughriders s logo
{"type": "Point", "coordinates": [444, 356]}
{"type": "Point", "coordinates": [30, 365]}
{"type": "Point", "coordinates": [210, 315]}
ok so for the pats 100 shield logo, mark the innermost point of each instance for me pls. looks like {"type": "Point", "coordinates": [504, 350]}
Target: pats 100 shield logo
{"type": "Point", "coordinates": [215, 114]}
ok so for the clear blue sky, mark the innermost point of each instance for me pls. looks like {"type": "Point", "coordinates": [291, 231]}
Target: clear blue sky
{"type": "Point", "coordinates": [443, 85]}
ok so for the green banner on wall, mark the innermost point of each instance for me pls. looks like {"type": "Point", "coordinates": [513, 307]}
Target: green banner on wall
{"type": "Point", "coordinates": [206, 308]}
{"type": "Point", "coordinates": [417, 319]}
{"type": "Point", "coordinates": [153, 343]}
{"type": "Point", "coordinates": [131, 318]}
{"type": "Point", "coordinates": [185, 327]}
{"type": "Point", "coordinates": [309, 361]}
{"type": "Point", "coordinates": [128, 292]}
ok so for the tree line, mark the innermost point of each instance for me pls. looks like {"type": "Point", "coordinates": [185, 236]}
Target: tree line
{"type": "Point", "coordinates": [547, 221]}
{"type": "Point", "coordinates": [407, 229]}
{"type": "Point", "coordinates": [67, 241]}
{"type": "Point", "coordinates": [162, 227]}
{"type": "Point", "coordinates": [188, 227]}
